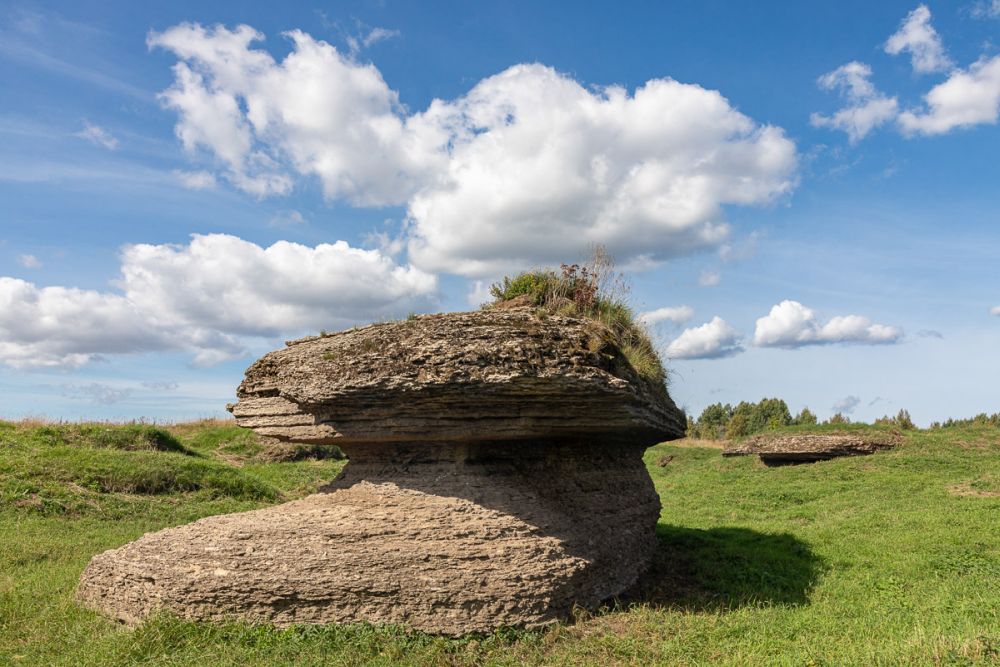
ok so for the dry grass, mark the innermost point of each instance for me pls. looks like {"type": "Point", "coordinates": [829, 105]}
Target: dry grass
{"type": "Point", "coordinates": [700, 443]}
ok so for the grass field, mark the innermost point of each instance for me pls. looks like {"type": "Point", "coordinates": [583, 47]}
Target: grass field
{"type": "Point", "coordinates": [888, 559]}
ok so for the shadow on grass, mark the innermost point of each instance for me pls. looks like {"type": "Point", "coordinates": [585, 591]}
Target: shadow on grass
{"type": "Point", "coordinates": [726, 568]}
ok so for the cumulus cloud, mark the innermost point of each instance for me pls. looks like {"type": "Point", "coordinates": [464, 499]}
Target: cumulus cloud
{"type": "Point", "coordinates": [675, 314]}
{"type": "Point", "coordinates": [709, 278]}
{"type": "Point", "coordinates": [917, 36]}
{"type": "Point", "coordinates": [791, 325]}
{"type": "Point", "coordinates": [29, 261]}
{"type": "Point", "coordinates": [995, 310]}
{"type": "Point", "coordinates": [866, 109]}
{"type": "Point", "coordinates": [196, 180]}
{"type": "Point", "coordinates": [526, 168]}
{"type": "Point", "coordinates": [97, 136]}
{"type": "Point", "coordinates": [206, 297]}
{"type": "Point", "coordinates": [846, 405]}
{"type": "Point", "coordinates": [968, 97]}
{"type": "Point", "coordinates": [67, 327]}
{"type": "Point", "coordinates": [711, 340]}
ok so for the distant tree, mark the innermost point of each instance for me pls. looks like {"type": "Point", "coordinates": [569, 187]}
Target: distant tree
{"type": "Point", "coordinates": [713, 421]}
{"type": "Point", "coordinates": [805, 418]}
{"type": "Point", "coordinates": [903, 420]}
{"type": "Point", "coordinates": [839, 418]}
{"type": "Point", "coordinates": [738, 426]}
{"type": "Point", "coordinates": [768, 414]}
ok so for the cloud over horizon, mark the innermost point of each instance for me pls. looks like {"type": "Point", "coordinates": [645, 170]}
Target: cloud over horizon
{"type": "Point", "coordinates": [791, 325]}
{"type": "Point", "coordinates": [713, 340]}
{"type": "Point", "coordinates": [675, 314]}
{"type": "Point", "coordinates": [206, 297]}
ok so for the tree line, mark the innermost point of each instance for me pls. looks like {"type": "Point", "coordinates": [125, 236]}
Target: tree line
{"type": "Point", "coordinates": [722, 421]}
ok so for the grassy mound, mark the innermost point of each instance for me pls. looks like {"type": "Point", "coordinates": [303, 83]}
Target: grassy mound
{"type": "Point", "coordinates": [595, 293]}
{"type": "Point", "coordinates": [891, 559]}
{"type": "Point", "coordinates": [109, 470]}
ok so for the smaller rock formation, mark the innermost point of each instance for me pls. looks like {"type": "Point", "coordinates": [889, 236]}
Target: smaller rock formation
{"type": "Point", "coordinates": [776, 450]}
{"type": "Point", "coordinates": [495, 478]}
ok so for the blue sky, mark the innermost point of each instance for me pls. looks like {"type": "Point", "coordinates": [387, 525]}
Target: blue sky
{"type": "Point", "coordinates": [806, 196]}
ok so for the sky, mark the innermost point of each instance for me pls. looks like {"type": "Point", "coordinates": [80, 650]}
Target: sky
{"type": "Point", "coordinates": [804, 196]}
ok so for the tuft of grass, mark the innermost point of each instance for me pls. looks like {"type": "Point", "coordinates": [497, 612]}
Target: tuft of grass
{"type": "Point", "coordinates": [594, 292]}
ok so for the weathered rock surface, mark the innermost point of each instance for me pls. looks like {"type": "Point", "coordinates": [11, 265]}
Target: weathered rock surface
{"type": "Point", "coordinates": [495, 479]}
{"type": "Point", "coordinates": [807, 448]}
{"type": "Point", "coordinates": [497, 374]}
{"type": "Point", "coordinates": [449, 545]}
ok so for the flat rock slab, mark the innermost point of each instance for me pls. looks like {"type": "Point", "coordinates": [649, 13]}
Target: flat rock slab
{"type": "Point", "coordinates": [469, 542]}
{"type": "Point", "coordinates": [500, 374]}
{"type": "Point", "coordinates": [807, 448]}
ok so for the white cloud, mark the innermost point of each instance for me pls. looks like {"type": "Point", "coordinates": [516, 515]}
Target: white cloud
{"type": "Point", "coordinates": [790, 325]}
{"type": "Point", "coordinates": [675, 314]}
{"type": "Point", "coordinates": [529, 167]}
{"type": "Point", "coordinates": [196, 180]}
{"type": "Point", "coordinates": [917, 36]}
{"type": "Point", "coordinates": [968, 97]}
{"type": "Point", "coordinates": [356, 43]}
{"type": "Point", "coordinates": [986, 9]}
{"type": "Point", "coordinates": [542, 168]}
{"type": "Point", "coordinates": [709, 278]}
{"type": "Point", "coordinates": [846, 405]}
{"type": "Point", "coordinates": [29, 261]}
{"type": "Point", "coordinates": [479, 293]}
{"type": "Point", "coordinates": [67, 327]}
{"type": "Point", "coordinates": [316, 113]}
{"type": "Point", "coordinates": [711, 340]}
{"type": "Point", "coordinates": [867, 107]}
{"type": "Point", "coordinates": [206, 297]}
{"type": "Point", "coordinates": [376, 35]}
{"type": "Point", "coordinates": [223, 283]}
{"type": "Point", "coordinates": [97, 136]}
{"type": "Point", "coordinates": [995, 310]}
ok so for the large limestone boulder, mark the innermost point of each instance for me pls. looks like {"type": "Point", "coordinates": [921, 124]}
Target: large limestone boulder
{"type": "Point", "coordinates": [495, 479]}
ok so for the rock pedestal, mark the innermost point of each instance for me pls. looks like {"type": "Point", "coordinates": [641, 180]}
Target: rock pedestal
{"type": "Point", "coordinates": [495, 479]}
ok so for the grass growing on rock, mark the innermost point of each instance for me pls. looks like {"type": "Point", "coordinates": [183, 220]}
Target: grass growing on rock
{"type": "Point", "coordinates": [595, 292]}
{"type": "Point", "coordinates": [892, 558]}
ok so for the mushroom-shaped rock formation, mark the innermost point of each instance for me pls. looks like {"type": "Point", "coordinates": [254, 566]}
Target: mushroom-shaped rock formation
{"type": "Point", "coordinates": [495, 479]}
{"type": "Point", "coordinates": [776, 450]}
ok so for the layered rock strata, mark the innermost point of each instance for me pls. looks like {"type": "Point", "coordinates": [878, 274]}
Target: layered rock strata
{"type": "Point", "coordinates": [495, 478]}
{"type": "Point", "coordinates": [777, 450]}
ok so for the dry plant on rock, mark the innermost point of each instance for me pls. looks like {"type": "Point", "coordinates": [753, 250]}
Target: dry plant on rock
{"type": "Point", "coordinates": [594, 291]}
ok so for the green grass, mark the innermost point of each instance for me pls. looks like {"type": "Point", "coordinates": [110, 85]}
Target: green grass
{"type": "Point", "coordinates": [881, 560]}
